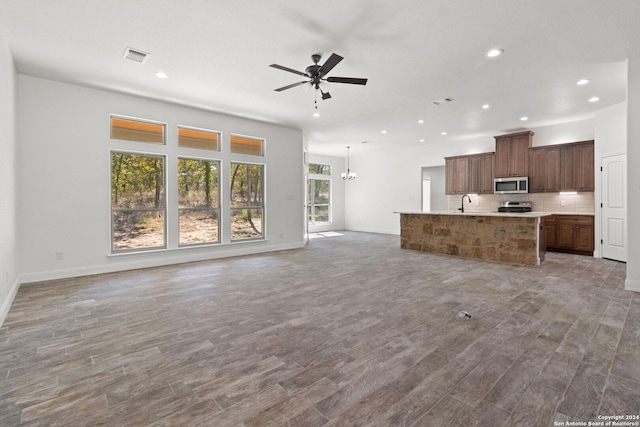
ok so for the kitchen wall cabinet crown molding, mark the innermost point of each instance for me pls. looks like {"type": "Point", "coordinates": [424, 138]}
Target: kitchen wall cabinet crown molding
{"type": "Point", "coordinates": [512, 154]}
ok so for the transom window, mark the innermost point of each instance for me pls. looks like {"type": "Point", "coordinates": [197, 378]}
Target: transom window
{"type": "Point", "coordinates": [137, 130]}
{"type": "Point", "coordinates": [198, 138]}
{"type": "Point", "coordinates": [246, 145]}
{"type": "Point", "coordinates": [319, 169]}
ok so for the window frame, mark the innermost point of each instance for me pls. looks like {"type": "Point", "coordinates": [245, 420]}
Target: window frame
{"type": "Point", "coordinates": [138, 120]}
{"type": "Point", "coordinates": [263, 145]}
{"type": "Point", "coordinates": [231, 208]}
{"type": "Point", "coordinates": [164, 209]}
{"type": "Point", "coordinates": [198, 129]}
{"type": "Point", "coordinates": [219, 201]}
{"type": "Point", "coordinates": [311, 203]}
{"type": "Point", "coordinates": [319, 174]}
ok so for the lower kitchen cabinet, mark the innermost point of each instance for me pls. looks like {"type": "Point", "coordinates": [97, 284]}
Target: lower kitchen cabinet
{"type": "Point", "coordinates": [570, 234]}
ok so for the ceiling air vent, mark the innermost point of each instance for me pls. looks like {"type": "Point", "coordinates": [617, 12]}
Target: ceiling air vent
{"type": "Point", "coordinates": [135, 55]}
{"type": "Point", "coordinates": [443, 100]}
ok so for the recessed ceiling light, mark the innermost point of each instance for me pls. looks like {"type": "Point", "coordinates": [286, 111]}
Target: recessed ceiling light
{"type": "Point", "coordinates": [494, 52]}
{"type": "Point", "coordinates": [421, 140]}
{"type": "Point", "coordinates": [524, 118]}
{"type": "Point", "coordinates": [316, 114]}
{"type": "Point", "coordinates": [594, 99]}
{"type": "Point", "coordinates": [443, 133]}
{"type": "Point", "coordinates": [161, 75]}
{"type": "Point", "coordinates": [383, 131]}
{"type": "Point", "coordinates": [485, 107]}
{"type": "Point", "coordinates": [582, 82]}
{"type": "Point", "coordinates": [421, 121]}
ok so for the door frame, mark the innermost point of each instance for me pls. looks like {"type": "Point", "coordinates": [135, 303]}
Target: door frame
{"type": "Point", "coordinates": [599, 219]}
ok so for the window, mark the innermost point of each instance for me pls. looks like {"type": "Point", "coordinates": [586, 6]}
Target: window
{"type": "Point", "coordinates": [246, 145]}
{"type": "Point", "coordinates": [137, 130]}
{"type": "Point", "coordinates": [319, 206]}
{"type": "Point", "coordinates": [198, 201]}
{"type": "Point", "coordinates": [138, 212]}
{"type": "Point", "coordinates": [319, 169]}
{"type": "Point", "coordinates": [198, 138]}
{"type": "Point", "coordinates": [247, 201]}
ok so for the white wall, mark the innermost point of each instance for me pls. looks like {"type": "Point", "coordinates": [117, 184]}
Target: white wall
{"type": "Point", "coordinates": [633, 174]}
{"type": "Point", "coordinates": [338, 165]}
{"type": "Point", "coordinates": [390, 181]}
{"type": "Point", "coordinates": [63, 179]}
{"type": "Point", "coordinates": [8, 239]}
{"type": "Point", "coordinates": [611, 138]}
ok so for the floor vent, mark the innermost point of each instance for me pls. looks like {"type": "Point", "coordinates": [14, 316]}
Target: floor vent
{"type": "Point", "coordinates": [135, 55]}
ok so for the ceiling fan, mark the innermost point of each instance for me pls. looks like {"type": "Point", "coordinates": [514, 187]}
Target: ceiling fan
{"type": "Point", "coordinates": [316, 74]}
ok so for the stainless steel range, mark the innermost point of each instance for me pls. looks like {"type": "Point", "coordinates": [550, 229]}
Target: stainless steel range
{"type": "Point", "coordinates": [514, 207]}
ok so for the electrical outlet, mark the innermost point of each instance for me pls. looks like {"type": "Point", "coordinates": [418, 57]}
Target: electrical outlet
{"type": "Point", "coordinates": [59, 255]}
{"type": "Point", "coordinates": [563, 203]}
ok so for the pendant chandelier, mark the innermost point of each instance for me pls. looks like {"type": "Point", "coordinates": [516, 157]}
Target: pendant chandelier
{"type": "Point", "coordinates": [348, 174]}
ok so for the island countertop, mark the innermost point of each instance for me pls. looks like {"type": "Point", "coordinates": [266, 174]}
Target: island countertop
{"type": "Point", "coordinates": [502, 214]}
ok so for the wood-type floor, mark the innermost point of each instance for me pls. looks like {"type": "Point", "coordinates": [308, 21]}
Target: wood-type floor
{"type": "Point", "coordinates": [350, 330]}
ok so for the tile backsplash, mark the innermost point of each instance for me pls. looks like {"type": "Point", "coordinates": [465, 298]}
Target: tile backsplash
{"type": "Point", "coordinates": [540, 202]}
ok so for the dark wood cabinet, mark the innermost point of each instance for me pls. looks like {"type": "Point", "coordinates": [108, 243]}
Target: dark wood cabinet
{"type": "Point", "coordinates": [481, 173]}
{"type": "Point", "coordinates": [577, 168]}
{"type": "Point", "coordinates": [551, 231]}
{"type": "Point", "coordinates": [512, 154]}
{"type": "Point", "coordinates": [544, 169]}
{"type": "Point", "coordinates": [562, 167]}
{"type": "Point", "coordinates": [469, 174]}
{"type": "Point", "coordinates": [570, 233]}
{"type": "Point", "coordinates": [457, 175]}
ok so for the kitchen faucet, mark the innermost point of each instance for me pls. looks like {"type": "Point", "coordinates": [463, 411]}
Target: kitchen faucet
{"type": "Point", "coordinates": [461, 208]}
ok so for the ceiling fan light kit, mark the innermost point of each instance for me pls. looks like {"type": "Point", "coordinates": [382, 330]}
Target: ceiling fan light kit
{"type": "Point", "coordinates": [316, 74]}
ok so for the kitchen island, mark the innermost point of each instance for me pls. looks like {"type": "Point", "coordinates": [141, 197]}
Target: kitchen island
{"type": "Point", "coordinates": [508, 237]}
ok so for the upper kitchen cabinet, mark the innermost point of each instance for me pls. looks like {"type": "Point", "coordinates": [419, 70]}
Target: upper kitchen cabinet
{"type": "Point", "coordinates": [512, 154]}
{"type": "Point", "coordinates": [457, 174]}
{"type": "Point", "coordinates": [577, 168]}
{"type": "Point", "coordinates": [469, 174]}
{"type": "Point", "coordinates": [544, 169]}
{"type": "Point", "coordinates": [481, 173]}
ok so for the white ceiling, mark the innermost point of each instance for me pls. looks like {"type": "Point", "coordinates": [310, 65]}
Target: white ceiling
{"type": "Point", "coordinates": [217, 55]}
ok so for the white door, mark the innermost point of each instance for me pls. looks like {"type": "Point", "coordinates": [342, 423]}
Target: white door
{"type": "Point", "coordinates": [426, 194]}
{"type": "Point", "coordinates": [614, 207]}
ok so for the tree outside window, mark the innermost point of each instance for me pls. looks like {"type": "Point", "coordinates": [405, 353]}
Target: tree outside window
{"type": "Point", "coordinates": [319, 206]}
{"type": "Point", "coordinates": [198, 201]}
{"type": "Point", "coordinates": [138, 207]}
{"type": "Point", "coordinates": [247, 201]}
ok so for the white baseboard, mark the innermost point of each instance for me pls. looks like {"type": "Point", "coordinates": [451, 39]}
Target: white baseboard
{"type": "Point", "coordinates": [632, 285]}
{"type": "Point", "coordinates": [6, 304]}
{"type": "Point", "coordinates": [114, 265]}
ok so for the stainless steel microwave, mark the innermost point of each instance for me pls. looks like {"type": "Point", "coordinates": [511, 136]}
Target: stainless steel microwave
{"type": "Point", "coordinates": [511, 185]}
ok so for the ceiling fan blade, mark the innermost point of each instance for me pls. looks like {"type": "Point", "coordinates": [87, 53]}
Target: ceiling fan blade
{"type": "Point", "coordinates": [329, 64]}
{"type": "Point", "coordinates": [350, 80]}
{"type": "Point", "coordinates": [290, 86]}
{"type": "Point", "coordinates": [280, 67]}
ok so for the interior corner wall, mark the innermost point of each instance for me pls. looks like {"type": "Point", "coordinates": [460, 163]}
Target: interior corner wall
{"type": "Point", "coordinates": [63, 176]}
{"type": "Point", "coordinates": [338, 165]}
{"type": "Point", "coordinates": [633, 174]}
{"type": "Point", "coordinates": [8, 237]}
